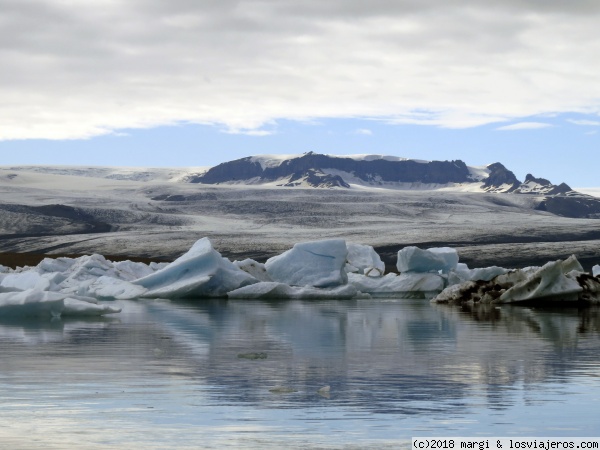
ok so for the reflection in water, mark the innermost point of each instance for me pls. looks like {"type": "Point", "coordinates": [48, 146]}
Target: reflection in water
{"type": "Point", "coordinates": [169, 374]}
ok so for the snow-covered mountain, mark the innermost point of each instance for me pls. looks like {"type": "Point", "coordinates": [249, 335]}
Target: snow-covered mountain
{"type": "Point", "coordinates": [391, 172]}
{"type": "Point", "coordinates": [327, 171]}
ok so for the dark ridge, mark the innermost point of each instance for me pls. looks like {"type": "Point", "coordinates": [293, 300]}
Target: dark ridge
{"type": "Point", "coordinates": [541, 181]}
{"type": "Point", "coordinates": [562, 188]}
{"type": "Point", "coordinates": [575, 207]}
{"type": "Point", "coordinates": [500, 175]}
{"type": "Point", "coordinates": [439, 172]}
{"type": "Point", "coordinates": [316, 178]}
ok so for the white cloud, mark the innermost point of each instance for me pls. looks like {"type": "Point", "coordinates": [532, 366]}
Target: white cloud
{"type": "Point", "coordinates": [524, 126]}
{"type": "Point", "coordinates": [584, 122]}
{"type": "Point", "coordinates": [81, 69]}
{"type": "Point", "coordinates": [591, 133]}
{"type": "Point", "coordinates": [363, 131]}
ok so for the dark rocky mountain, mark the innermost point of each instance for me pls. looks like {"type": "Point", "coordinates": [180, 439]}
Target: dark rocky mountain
{"type": "Point", "coordinates": [310, 164]}
{"type": "Point", "coordinates": [326, 171]}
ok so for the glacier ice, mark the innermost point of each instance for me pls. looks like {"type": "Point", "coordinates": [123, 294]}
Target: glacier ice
{"type": "Point", "coordinates": [273, 290]}
{"type": "Point", "coordinates": [596, 270]}
{"type": "Point", "coordinates": [254, 268]}
{"type": "Point", "coordinates": [316, 264]}
{"type": "Point", "coordinates": [411, 284]}
{"type": "Point", "coordinates": [414, 259]}
{"type": "Point", "coordinates": [201, 272]}
{"type": "Point", "coordinates": [38, 303]}
{"type": "Point", "coordinates": [555, 281]}
{"type": "Point", "coordinates": [326, 269]}
{"type": "Point", "coordinates": [364, 259]}
{"type": "Point", "coordinates": [462, 273]}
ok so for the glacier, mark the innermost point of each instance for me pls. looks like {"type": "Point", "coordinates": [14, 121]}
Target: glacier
{"type": "Point", "coordinates": [325, 269]}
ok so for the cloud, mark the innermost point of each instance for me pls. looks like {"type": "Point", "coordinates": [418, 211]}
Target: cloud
{"type": "Point", "coordinates": [75, 70]}
{"type": "Point", "coordinates": [524, 126]}
{"type": "Point", "coordinates": [363, 131]}
{"type": "Point", "coordinates": [584, 122]}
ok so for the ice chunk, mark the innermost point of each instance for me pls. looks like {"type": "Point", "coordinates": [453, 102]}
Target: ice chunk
{"type": "Point", "coordinates": [274, 290]}
{"type": "Point", "coordinates": [256, 269]}
{"type": "Point", "coordinates": [201, 272]}
{"type": "Point", "coordinates": [107, 288]}
{"type": "Point", "coordinates": [45, 304]}
{"type": "Point", "coordinates": [364, 259]}
{"type": "Point", "coordinates": [77, 307]}
{"type": "Point", "coordinates": [462, 273]}
{"type": "Point", "coordinates": [4, 269]}
{"type": "Point", "coordinates": [414, 259]}
{"type": "Point", "coordinates": [31, 302]}
{"type": "Point", "coordinates": [26, 280]}
{"type": "Point", "coordinates": [317, 264]}
{"type": "Point", "coordinates": [129, 270]}
{"type": "Point", "coordinates": [553, 279]}
{"type": "Point", "coordinates": [421, 285]}
{"type": "Point", "coordinates": [596, 270]}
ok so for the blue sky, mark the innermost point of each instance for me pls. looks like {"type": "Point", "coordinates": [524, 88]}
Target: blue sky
{"type": "Point", "coordinates": [187, 83]}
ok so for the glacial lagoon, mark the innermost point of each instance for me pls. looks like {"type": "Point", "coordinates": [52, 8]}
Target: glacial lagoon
{"type": "Point", "coordinates": [212, 373]}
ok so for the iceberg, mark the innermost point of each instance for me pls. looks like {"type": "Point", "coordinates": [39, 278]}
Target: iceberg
{"type": "Point", "coordinates": [596, 270]}
{"type": "Point", "coordinates": [201, 272]}
{"type": "Point", "coordinates": [462, 273]}
{"type": "Point", "coordinates": [364, 259]}
{"type": "Point", "coordinates": [256, 269]}
{"type": "Point", "coordinates": [414, 259]}
{"type": "Point", "coordinates": [407, 285]}
{"type": "Point", "coordinates": [555, 281]}
{"type": "Point", "coordinates": [317, 264]}
{"type": "Point", "coordinates": [45, 304]}
{"type": "Point", "coordinates": [273, 290]}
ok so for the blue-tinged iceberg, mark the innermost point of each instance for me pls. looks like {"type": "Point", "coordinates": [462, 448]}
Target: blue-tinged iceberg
{"type": "Point", "coordinates": [201, 272]}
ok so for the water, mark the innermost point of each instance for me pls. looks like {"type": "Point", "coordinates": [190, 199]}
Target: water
{"type": "Point", "coordinates": [245, 374]}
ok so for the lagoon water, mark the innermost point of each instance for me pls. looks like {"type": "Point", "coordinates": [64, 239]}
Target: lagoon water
{"type": "Point", "coordinates": [247, 374]}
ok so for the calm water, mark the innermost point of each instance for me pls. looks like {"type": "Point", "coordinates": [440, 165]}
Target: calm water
{"type": "Point", "coordinates": [167, 375]}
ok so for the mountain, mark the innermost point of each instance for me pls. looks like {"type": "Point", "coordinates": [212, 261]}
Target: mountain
{"type": "Point", "coordinates": [327, 171]}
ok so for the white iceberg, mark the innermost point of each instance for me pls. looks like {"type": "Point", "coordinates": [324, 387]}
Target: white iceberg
{"type": "Point", "coordinates": [407, 285]}
{"type": "Point", "coordinates": [556, 281]}
{"type": "Point", "coordinates": [317, 264]}
{"type": "Point", "coordinates": [364, 259]}
{"type": "Point", "coordinates": [414, 259]}
{"type": "Point", "coordinates": [37, 303]}
{"type": "Point", "coordinates": [254, 268]}
{"type": "Point", "coordinates": [273, 290]}
{"type": "Point", "coordinates": [462, 273]}
{"type": "Point", "coordinates": [201, 272]}
{"type": "Point", "coordinates": [596, 270]}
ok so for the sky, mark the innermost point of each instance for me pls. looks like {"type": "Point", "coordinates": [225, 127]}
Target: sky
{"type": "Point", "coordinates": [195, 83]}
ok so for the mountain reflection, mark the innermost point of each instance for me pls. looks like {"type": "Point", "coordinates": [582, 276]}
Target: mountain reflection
{"type": "Point", "coordinates": [397, 356]}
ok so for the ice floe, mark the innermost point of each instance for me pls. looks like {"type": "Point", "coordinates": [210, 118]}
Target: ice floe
{"type": "Point", "coordinates": [326, 269]}
{"type": "Point", "coordinates": [414, 259]}
{"type": "Point", "coordinates": [201, 272]}
{"type": "Point", "coordinates": [317, 264]}
{"type": "Point", "coordinates": [555, 281]}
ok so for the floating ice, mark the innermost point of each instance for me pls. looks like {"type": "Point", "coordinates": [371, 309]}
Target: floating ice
{"type": "Point", "coordinates": [462, 273]}
{"type": "Point", "coordinates": [317, 264]}
{"type": "Point", "coordinates": [556, 281]}
{"type": "Point", "coordinates": [201, 272]}
{"type": "Point", "coordinates": [596, 270]}
{"type": "Point", "coordinates": [274, 290]}
{"type": "Point", "coordinates": [420, 285]}
{"type": "Point", "coordinates": [37, 303]}
{"type": "Point", "coordinates": [256, 269]}
{"type": "Point", "coordinates": [364, 259]}
{"type": "Point", "coordinates": [553, 279]}
{"type": "Point", "coordinates": [414, 259]}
